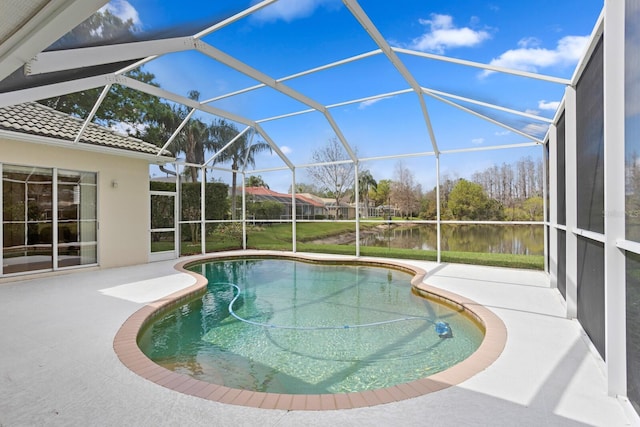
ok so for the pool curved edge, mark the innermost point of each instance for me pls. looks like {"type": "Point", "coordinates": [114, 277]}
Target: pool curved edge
{"type": "Point", "coordinates": [126, 347]}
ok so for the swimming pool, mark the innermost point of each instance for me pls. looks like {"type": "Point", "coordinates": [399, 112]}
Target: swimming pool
{"type": "Point", "coordinates": [295, 327]}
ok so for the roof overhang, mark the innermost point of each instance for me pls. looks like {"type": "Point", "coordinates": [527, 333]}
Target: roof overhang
{"type": "Point", "coordinates": [32, 25]}
{"type": "Point", "coordinates": [61, 143]}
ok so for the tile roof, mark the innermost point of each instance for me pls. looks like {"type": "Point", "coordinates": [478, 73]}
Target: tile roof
{"type": "Point", "coordinates": [286, 198]}
{"type": "Point", "coordinates": [310, 201]}
{"type": "Point", "coordinates": [36, 119]}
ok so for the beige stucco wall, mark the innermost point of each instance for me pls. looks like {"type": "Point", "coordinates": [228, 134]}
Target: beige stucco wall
{"type": "Point", "coordinates": [123, 212]}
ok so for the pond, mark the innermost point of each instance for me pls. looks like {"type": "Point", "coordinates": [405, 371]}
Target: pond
{"type": "Point", "coordinates": [506, 239]}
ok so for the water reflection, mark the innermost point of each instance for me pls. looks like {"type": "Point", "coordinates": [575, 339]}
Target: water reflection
{"type": "Point", "coordinates": [506, 239]}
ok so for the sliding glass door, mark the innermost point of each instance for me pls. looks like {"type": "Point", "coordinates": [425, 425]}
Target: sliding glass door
{"type": "Point", "coordinates": [49, 218]}
{"type": "Point", "coordinates": [27, 219]}
{"type": "Point", "coordinates": [77, 218]}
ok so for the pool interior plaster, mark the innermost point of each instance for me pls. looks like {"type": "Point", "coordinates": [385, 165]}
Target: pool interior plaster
{"type": "Point", "coordinates": [126, 348]}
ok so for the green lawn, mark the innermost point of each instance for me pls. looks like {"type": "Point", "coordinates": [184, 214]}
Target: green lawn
{"type": "Point", "coordinates": [278, 237]}
{"type": "Point", "coordinates": [532, 262]}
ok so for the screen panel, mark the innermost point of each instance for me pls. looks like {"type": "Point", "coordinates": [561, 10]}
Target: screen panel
{"type": "Point", "coordinates": [591, 304]}
{"type": "Point", "coordinates": [633, 328]}
{"type": "Point", "coordinates": [562, 180]}
{"type": "Point", "coordinates": [590, 144]}
{"type": "Point", "coordinates": [562, 263]}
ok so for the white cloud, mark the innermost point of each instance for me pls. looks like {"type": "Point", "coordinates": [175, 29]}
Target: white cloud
{"type": "Point", "coordinates": [529, 56]}
{"type": "Point", "coordinates": [548, 105]}
{"type": "Point", "coordinates": [477, 141]}
{"type": "Point", "coordinates": [123, 10]}
{"type": "Point", "coordinates": [502, 133]}
{"type": "Point", "coordinates": [529, 43]}
{"type": "Point", "coordinates": [290, 10]}
{"type": "Point", "coordinates": [370, 102]}
{"type": "Point", "coordinates": [286, 149]}
{"type": "Point", "coordinates": [442, 35]}
{"type": "Point", "coordinates": [532, 111]}
{"type": "Point", "coordinates": [536, 129]}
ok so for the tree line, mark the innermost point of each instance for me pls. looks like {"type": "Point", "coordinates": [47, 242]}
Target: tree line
{"type": "Point", "coordinates": [511, 191]}
{"type": "Point", "coordinates": [512, 182]}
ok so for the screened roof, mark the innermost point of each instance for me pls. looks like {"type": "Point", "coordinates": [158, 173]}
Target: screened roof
{"type": "Point", "coordinates": [388, 81]}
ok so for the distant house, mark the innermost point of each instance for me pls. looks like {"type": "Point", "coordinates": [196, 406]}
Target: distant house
{"type": "Point", "coordinates": [306, 207]}
{"type": "Point", "coordinates": [367, 211]}
{"type": "Point", "coordinates": [385, 210]}
{"type": "Point", "coordinates": [340, 211]}
{"type": "Point", "coordinates": [321, 211]}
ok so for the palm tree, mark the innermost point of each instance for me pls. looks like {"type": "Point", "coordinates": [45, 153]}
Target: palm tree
{"type": "Point", "coordinates": [240, 153]}
{"type": "Point", "coordinates": [365, 183]}
{"type": "Point", "coordinates": [256, 181]}
{"type": "Point", "coordinates": [193, 140]}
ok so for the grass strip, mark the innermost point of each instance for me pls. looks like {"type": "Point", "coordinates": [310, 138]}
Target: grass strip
{"type": "Point", "coordinates": [278, 237]}
{"type": "Point", "coordinates": [531, 262]}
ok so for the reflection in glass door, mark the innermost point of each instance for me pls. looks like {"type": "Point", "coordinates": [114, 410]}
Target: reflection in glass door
{"type": "Point", "coordinates": [27, 219]}
{"type": "Point", "coordinates": [77, 218]}
{"type": "Point", "coordinates": [163, 227]}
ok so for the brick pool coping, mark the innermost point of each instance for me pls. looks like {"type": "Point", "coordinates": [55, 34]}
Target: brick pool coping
{"type": "Point", "coordinates": [126, 347]}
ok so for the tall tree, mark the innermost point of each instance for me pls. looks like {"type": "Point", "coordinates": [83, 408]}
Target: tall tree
{"type": "Point", "coordinates": [195, 138]}
{"type": "Point", "coordinates": [366, 183]}
{"type": "Point", "coordinates": [332, 175]}
{"type": "Point", "coordinates": [429, 205]}
{"type": "Point", "coordinates": [240, 154]}
{"type": "Point", "coordinates": [302, 187]}
{"type": "Point", "coordinates": [446, 186]}
{"type": "Point", "coordinates": [404, 192]}
{"type": "Point", "coordinates": [123, 105]}
{"type": "Point", "coordinates": [255, 181]}
{"type": "Point", "coordinates": [382, 192]}
{"type": "Point", "coordinates": [512, 183]}
{"type": "Point", "coordinates": [534, 208]}
{"type": "Point", "coordinates": [102, 27]}
{"type": "Point", "coordinates": [468, 201]}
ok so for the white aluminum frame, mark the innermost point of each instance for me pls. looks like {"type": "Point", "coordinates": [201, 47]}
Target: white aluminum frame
{"type": "Point", "coordinates": [553, 206]}
{"type": "Point", "coordinates": [614, 197]}
{"type": "Point", "coordinates": [571, 197]}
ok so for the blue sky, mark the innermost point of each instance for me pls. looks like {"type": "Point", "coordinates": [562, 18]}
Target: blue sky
{"type": "Point", "coordinates": [291, 36]}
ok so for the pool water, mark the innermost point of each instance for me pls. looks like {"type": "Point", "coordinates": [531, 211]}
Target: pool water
{"type": "Point", "coordinates": [307, 328]}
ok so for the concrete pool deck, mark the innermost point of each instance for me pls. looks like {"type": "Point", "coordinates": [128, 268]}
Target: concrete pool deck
{"type": "Point", "coordinates": [58, 365]}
